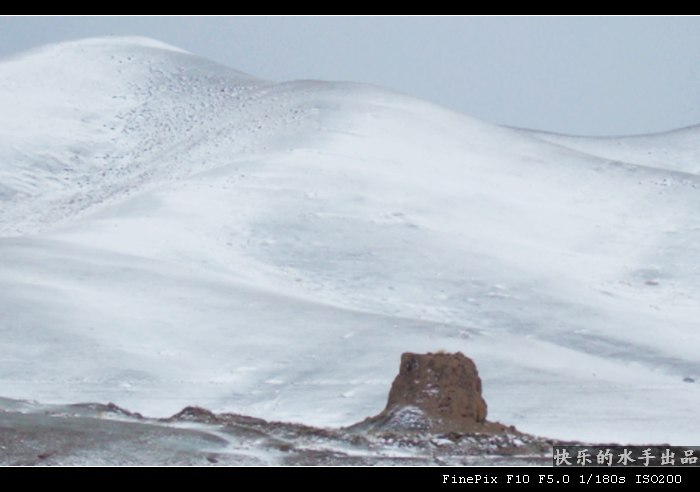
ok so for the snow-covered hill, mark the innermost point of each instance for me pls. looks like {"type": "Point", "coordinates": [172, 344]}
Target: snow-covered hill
{"type": "Point", "coordinates": [174, 232]}
{"type": "Point", "coordinates": [677, 150]}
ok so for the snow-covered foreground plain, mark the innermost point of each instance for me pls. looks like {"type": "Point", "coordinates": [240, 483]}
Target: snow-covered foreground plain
{"type": "Point", "coordinates": [174, 232]}
{"type": "Point", "coordinates": [95, 434]}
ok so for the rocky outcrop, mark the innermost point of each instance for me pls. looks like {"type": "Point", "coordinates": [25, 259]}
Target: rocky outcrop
{"type": "Point", "coordinates": [436, 393]}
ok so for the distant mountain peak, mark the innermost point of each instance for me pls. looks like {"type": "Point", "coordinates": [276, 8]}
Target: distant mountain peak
{"type": "Point", "coordinates": [120, 41]}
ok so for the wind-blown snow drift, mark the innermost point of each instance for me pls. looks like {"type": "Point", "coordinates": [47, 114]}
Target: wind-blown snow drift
{"type": "Point", "coordinates": [174, 232]}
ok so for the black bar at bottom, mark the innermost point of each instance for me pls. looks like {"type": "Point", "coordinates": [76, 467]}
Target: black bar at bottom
{"type": "Point", "coordinates": [414, 478]}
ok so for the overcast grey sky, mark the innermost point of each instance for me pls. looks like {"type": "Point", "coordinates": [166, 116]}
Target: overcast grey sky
{"type": "Point", "coordinates": [581, 75]}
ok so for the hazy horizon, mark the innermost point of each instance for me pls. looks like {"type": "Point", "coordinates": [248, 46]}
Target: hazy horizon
{"type": "Point", "coordinates": [576, 75]}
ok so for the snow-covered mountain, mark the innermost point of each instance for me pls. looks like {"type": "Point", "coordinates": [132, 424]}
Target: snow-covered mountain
{"type": "Point", "coordinates": [174, 232]}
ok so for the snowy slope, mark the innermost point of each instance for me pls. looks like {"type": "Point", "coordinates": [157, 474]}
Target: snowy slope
{"type": "Point", "coordinates": [174, 232]}
{"type": "Point", "coordinates": [677, 150]}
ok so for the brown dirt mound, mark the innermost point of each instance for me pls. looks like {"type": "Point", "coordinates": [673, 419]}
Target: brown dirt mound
{"type": "Point", "coordinates": [436, 393]}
